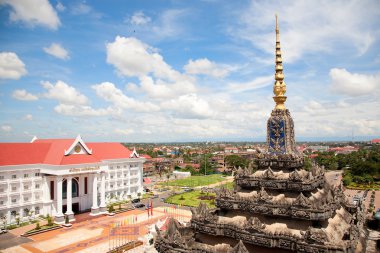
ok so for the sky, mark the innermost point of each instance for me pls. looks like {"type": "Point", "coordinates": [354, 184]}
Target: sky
{"type": "Point", "coordinates": [166, 71]}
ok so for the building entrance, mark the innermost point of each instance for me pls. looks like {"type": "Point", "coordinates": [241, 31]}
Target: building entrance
{"type": "Point", "coordinates": [75, 208]}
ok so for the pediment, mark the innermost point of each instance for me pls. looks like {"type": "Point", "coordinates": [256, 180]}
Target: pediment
{"type": "Point", "coordinates": [78, 147]}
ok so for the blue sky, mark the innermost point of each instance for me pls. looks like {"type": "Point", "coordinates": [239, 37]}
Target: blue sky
{"type": "Point", "coordinates": [154, 71]}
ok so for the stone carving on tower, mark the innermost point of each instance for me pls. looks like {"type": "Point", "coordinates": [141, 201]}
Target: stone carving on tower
{"type": "Point", "coordinates": [281, 205]}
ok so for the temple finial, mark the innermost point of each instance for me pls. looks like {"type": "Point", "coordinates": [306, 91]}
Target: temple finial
{"type": "Point", "coordinates": [279, 88]}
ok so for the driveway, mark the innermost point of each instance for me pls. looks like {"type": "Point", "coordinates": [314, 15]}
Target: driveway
{"type": "Point", "coordinates": [9, 240]}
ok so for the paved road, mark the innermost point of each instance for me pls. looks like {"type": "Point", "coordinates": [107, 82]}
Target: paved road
{"type": "Point", "coordinates": [331, 175]}
{"type": "Point", "coordinates": [9, 240]}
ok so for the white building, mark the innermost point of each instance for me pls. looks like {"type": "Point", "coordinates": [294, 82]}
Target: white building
{"type": "Point", "coordinates": [66, 176]}
{"type": "Point", "coordinates": [181, 174]}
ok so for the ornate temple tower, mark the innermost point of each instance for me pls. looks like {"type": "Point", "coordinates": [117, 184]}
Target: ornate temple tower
{"type": "Point", "coordinates": [280, 207]}
{"type": "Point", "coordinates": [280, 126]}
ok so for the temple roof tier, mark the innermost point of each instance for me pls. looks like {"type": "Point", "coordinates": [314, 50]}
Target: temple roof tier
{"type": "Point", "coordinates": [336, 234]}
{"type": "Point", "coordinates": [297, 180]}
{"type": "Point", "coordinates": [320, 205]}
{"type": "Point", "coordinates": [179, 238]}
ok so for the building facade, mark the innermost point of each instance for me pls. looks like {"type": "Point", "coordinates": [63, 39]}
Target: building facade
{"type": "Point", "coordinates": [60, 177]}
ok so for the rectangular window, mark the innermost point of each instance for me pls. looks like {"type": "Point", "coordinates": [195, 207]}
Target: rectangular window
{"type": "Point", "coordinates": [37, 174]}
{"type": "Point", "coordinates": [14, 188]}
{"type": "Point", "coordinates": [14, 176]}
{"type": "Point", "coordinates": [1, 202]}
{"type": "Point", "coordinates": [85, 185]}
{"type": "Point", "coordinates": [26, 187]}
{"type": "Point", "coordinates": [14, 200]}
{"type": "Point", "coordinates": [26, 198]}
{"type": "Point", "coordinates": [26, 175]}
{"type": "Point", "coordinates": [1, 177]}
{"type": "Point", "coordinates": [37, 197]}
{"type": "Point", "coordinates": [37, 186]}
{"type": "Point", "coordinates": [51, 190]}
{"type": "Point", "coordinates": [37, 210]}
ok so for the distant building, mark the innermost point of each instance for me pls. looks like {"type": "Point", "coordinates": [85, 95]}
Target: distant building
{"type": "Point", "coordinates": [65, 176]}
{"type": "Point", "coordinates": [181, 174]}
{"type": "Point", "coordinates": [318, 148]}
{"type": "Point", "coordinates": [344, 150]}
{"type": "Point", "coordinates": [178, 161]}
{"type": "Point", "coordinates": [231, 150]}
{"type": "Point", "coordinates": [375, 141]}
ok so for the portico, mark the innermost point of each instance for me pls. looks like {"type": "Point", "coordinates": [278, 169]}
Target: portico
{"type": "Point", "coordinates": [69, 190]}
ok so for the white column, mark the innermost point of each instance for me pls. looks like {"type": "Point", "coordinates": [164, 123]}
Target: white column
{"type": "Point", "coordinates": [69, 198]}
{"type": "Point", "coordinates": [103, 192]}
{"type": "Point", "coordinates": [45, 190]}
{"type": "Point", "coordinates": [58, 181]}
{"type": "Point", "coordinates": [94, 208]}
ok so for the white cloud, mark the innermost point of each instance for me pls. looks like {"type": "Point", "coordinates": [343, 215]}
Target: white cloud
{"type": "Point", "coordinates": [169, 24]}
{"type": "Point", "coordinates": [163, 90]}
{"type": "Point", "coordinates": [206, 67]}
{"type": "Point", "coordinates": [353, 84]}
{"type": "Point", "coordinates": [6, 128]}
{"type": "Point", "coordinates": [131, 57]}
{"type": "Point", "coordinates": [33, 12]}
{"type": "Point", "coordinates": [80, 8]}
{"type": "Point", "coordinates": [24, 95]}
{"type": "Point", "coordinates": [83, 110]}
{"type": "Point", "coordinates": [58, 51]}
{"type": "Point", "coordinates": [28, 117]}
{"type": "Point", "coordinates": [124, 131]}
{"type": "Point", "coordinates": [110, 93]}
{"type": "Point", "coordinates": [257, 83]}
{"type": "Point", "coordinates": [11, 67]}
{"type": "Point", "coordinates": [139, 18]}
{"type": "Point", "coordinates": [64, 93]}
{"type": "Point", "coordinates": [319, 26]}
{"type": "Point", "coordinates": [60, 7]}
{"type": "Point", "coordinates": [189, 106]}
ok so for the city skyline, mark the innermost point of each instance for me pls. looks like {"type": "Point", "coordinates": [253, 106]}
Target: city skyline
{"type": "Point", "coordinates": [174, 71]}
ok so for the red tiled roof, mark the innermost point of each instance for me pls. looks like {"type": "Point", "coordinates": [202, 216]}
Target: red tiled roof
{"type": "Point", "coordinates": [375, 141]}
{"type": "Point", "coordinates": [52, 151]}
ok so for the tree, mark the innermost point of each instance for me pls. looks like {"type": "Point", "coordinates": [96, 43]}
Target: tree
{"type": "Point", "coordinates": [308, 164]}
{"type": "Point", "coordinates": [236, 161]}
{"type": "Point", "coordinates": [206, 168]}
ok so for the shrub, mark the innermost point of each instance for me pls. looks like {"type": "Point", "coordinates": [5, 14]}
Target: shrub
{"type": "Point", "coordinates": [49, 221]}
{"type": "Point", "coordinates": [119, 205]}
{"type": "Point", "coordinates": [181, 198]}
{"type": "Point", "coordinates": [67, 221]}
{"type": "Point", "coordinates": [38, 227]}
{"type": "Point", "coordinates": [111, 209]}
{"type": "Point", "coordinates": [347, 180]}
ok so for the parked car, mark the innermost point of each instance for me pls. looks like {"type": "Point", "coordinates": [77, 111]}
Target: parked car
{"type": "Point", "coordinates": [138, 205]}
{"type": "Point", "coordinates": [135, 200]}
{"type": "Point", "coordinates": [155, 196]}
{"type": "Point", "coordinates": [162, 199]}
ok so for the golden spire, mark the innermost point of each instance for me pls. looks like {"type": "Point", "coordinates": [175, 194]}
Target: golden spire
{"type": "Point", "coordinates": [279, 88]}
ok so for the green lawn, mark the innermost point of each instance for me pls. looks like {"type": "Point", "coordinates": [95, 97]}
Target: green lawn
{"type": "Point", "coordinates": [190, 199]}
{"type": "Point", "coordinates": [195, 181]}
